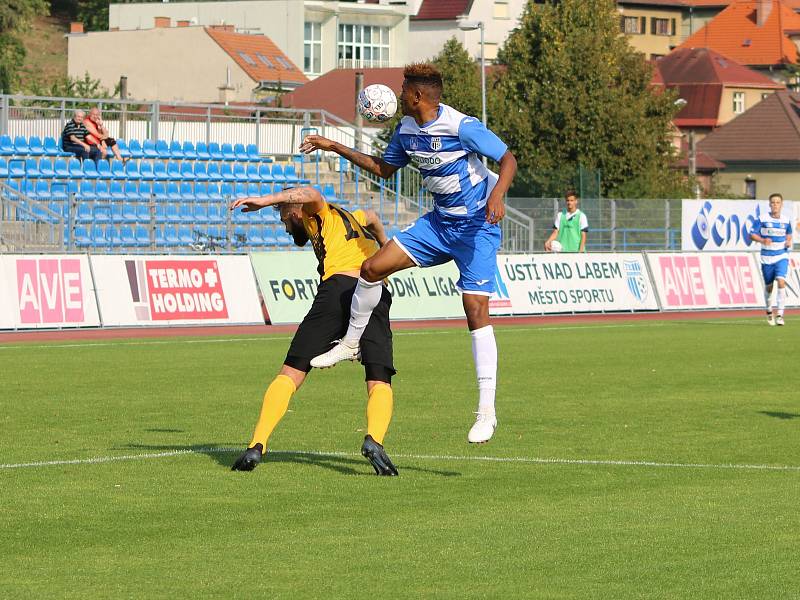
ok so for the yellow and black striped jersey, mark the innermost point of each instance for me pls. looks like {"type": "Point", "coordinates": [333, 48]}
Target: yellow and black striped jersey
{"type": "Point", "coordinates": [340, 239]}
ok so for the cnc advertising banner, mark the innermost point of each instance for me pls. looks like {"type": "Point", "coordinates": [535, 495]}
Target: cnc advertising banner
{"type": "Point", "coordinates": [46, 292]}
{"type": "Point", "coordinates": [532, 284]}
{"type": "Point", "coordinates": [289, 280]}
{"type": "Point", "coordinates": [176, 290]}
{"type": "Point", "coordinates": [710, 225]}
{"type": "Point", "coordinates": [707, 280]}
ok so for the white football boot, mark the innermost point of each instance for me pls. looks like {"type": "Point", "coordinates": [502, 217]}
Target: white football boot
{"type": "Point", "coordinates": [341, 351]}
{"type": "Point", "coordinates": [770, 320]}
{"type": "Point", "coordinates": [483, 429]}
{"type": "Point", "coordinates": [779, 320]}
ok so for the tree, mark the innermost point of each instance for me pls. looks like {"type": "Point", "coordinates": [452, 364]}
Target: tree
{"type": "Point", "coordinates": [15, 17]}
{"type": "Point", "coordinates": [574, 93]}
{"type": "Point", "coordinates": [93, 14]}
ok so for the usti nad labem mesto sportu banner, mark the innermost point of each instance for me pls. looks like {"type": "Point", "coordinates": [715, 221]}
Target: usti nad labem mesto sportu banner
{"type": "Point", "coordinates": [564, 283]}
{"type": "Point", "coordinates": [289, 280]}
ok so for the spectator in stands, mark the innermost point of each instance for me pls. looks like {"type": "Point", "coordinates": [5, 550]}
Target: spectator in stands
{"type": "Point", "coordinates": [570, 227]}
{"type": "Point", "coordinates": [98, 135]}
{"type": "Point", "coordinates": [73, 138]}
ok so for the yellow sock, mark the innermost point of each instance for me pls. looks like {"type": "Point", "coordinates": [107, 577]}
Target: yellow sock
{"type": "Point", "coordinates": [379, 411]}
{"type": "Point", "coordinates": [276, 401]}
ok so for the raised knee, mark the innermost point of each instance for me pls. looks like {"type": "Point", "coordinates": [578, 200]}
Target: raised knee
{"type": "Point", "coordinates": [368, 271]}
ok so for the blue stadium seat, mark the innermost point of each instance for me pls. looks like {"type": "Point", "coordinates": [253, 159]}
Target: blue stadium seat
{"type": "Point", "coordinates": [187, 191]}
{"type": "Point", "coordinates": [254, 237]}
{"type": "Point", "coordinates": [161, 239]}
{"type": "Point", "coordinates": [29, 188]}
{"type": "Point", "coordinates": [104, 170]}
{"type": "Point", "coordinates": [87, 191]}
{"type": "Point", "coordinates": [175, 150]}
{"type": "Point", "coordinates": [171, 236]}
{"type": "Point", "coordinates": [75, 168]}
{"type": "Point", "coordinates": [146, 171]}
{"type": "Point", "coordinates": [124, 151]}
{"type": "Point", "coordinates": [101, 213]}
{"type": "Point", "coordinates": [202, 151]}
{"type": "Point", "coordinates": [101, 190]}
{"type": "Point", "coordinates": [58, 189]}
{"type": "Point", "coordinates": [21, 145]}
{"type": "Point", "coordinates": [143, 212]}
{"type": "Point", "coordinates": [213, 192]}
{"type": "Point", "coordinates": [6, 146]}
{"type": "Point", "coordinates": [227, 172]}
{"type": "Point", "coordinates": [115, 191]}
{"type": "Point", "coordinates": [329, 192]}
{"type": "Point", "coordinates": [72, 188]}
{"type": "Point", "coordinates": [264, 173]}
{"type": "Point", "coordinates": [252, 174]}
{"type": "Point", "coordinates": [290, 174]}
{"type": "Point", "coordinates": [58, 208]}
{"type": "Point", "coordinates": [173, 193]}
{"type": "Point", "coordinates": [227, 152]}
{"type": "Point", "coordinates": [114, 236]}
{"type": "Point", "coordinates": [117, 169]}
{"type": "Point", "coordinates": [161, 213]}
{"type": "Point", "coordinates": [227, 192]}
{"type": "Point", "coordinates": [214, 152]}
{"type": "Point", "coordinates": [201, 192]}
{"type": "Point", "coordinates": [277, 173]}
{"type": "Point", "coordinates": [239, 173]}
{"type": "Point", "coordinates": [189, 153]}
{"type": "Point", "coordinates": [90, 169]}
{"type": "Point", "coordinates": [268, 236]}
{"type": "Point", "coordinates": [129, 212]}
{"type": "Point", "coordinates": [82, 237]}
{"type": "Point", "coordinates": [145, 190]}
{"type": "Point", "coordinates": [215, 214]}
{"type": "Point", "coordinates": [135, 149]}
{"type": "Point", "coordinates": [200, 214]}
{"type": "Point", "coordinates": [51, 148]}
{"type": "Point", "coordinates": [185, 236]}
{"type": "Point", "coordinates": [186, 213]}
{"type": "Point", "coordinates": [239, 216]}
{"type": "Point", "coordinates": [126, 236]}
{"type": "Point", "coordinates": [160, 171]}
{"type": "Point", "coordinates": [187, 171]}
{"type": "Point", "coordinates": [265, 189]}
{"type": "Point", "coordinates": [84, 213]}
{"type": "Point", "coordinates": [241, 190]}
{"type": "Point", "coordinates": [131, 190]}
{"type": "Point", "coordinates": [214, 173]}
{"type": "Point", "coordinates": [3, 168]}
{"type": "Point", "coordinates": [239, 236]}
{"type": "Point", "coordinates": [142, 236]}
{"type": "Point", "coordinates": [16, 168]}
{"type": "Point", "coordinates": [132, 170]}
{"type": "Point", "coordinates": [171, 213]}
{"type": "Point", "coordinates": [31, 168]}
{"type": "Point", "coordinates": [148, 149]}
{"type": "Point", "coordinates": [35, 146]}
{"type": "Point", "coordinates": [269, 216]}
{"type": "Point", "coordinates": [117, 215]}
{"type": "Point", "coordinates": [162, 149]}
{"type": "Point", "coordinates": [174, 171]}
{"type": "Point", "coordinates": [253, 190]}
{"type": "Point", "coordinates": [254, 156]}
{"type": "Point", "coordinates": [160, 191]}
{"type": "Point", "coordinates": [200, 173]}
{"type": "Point", "coordinates": [240, 153]}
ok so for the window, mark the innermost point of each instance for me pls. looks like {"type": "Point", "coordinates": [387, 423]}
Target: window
{"type": "Point", "coordinates": [265, 60]}
{"type": "Point", "coordinates": [501, 9]}
{"type": "Point", "coordinates": [633, 25]}
{"type": "Point", "coordinates": [247, 58]}
{"type": "Point", "coordinates": [738, 103]}
{"type": "Point", "coordinates": [662, 26]}
{"type": "Point", "coordinates": [312, 48]}
{"type": "Point", "coordinates": [363, 46]}
{"type": "Point", "coordinates": [283, 62]}
{"type": "Point", "coordinates": [750, 188]}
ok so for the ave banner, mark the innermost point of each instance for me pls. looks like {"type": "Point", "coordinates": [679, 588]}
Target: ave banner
{"type": "Point", "coordinates": [289, 280]}
{"type": "Point", "coordinates": [699, 280]}
{"type": "Point", "coordinates": [529, 284]}
{"type": "Point", "coordinates": [46, 291]}
{"type": "Point", "coordinates": [175, 290]}
{"type": "Point", "coordinates": [713, 225]}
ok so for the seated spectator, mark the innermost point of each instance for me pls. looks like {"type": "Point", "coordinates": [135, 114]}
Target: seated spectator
{"type": "Point", "coordinates": [73, 138]}
{"type": "Point", "coordinates": [99, 137]}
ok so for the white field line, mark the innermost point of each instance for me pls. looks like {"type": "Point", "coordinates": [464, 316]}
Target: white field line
{"type": "Point", "coordinates": [431, 457]}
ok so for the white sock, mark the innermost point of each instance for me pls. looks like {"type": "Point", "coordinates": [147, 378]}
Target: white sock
{"type": "Point", "coordinates": [781, 297]}
{"type": "Point", "coordinates": [365, 299]}
{"type": "Point", "coordinates": [484, 351]}
{"type": "Point", "coordinates": [767, 296]}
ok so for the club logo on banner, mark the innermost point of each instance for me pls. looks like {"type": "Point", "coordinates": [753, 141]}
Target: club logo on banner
{"type": "Point", "coordinates": [50, 290]}
{"type": "Point", "coordinates": [171, 290]}
{"type": "Point", "coordinates": [722, 224]}
{"type": "Point", "coordinates": [500, 301]}
{"type": "Point", "coordinates": [637, 281]}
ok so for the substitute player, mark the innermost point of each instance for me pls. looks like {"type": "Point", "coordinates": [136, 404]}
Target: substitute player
{"type": "Point", "coordinates": [342, 241]}
{"type": "Point", "coordinates": [774, 233]}
{"type": "Point", "coordinates": [446, 145]}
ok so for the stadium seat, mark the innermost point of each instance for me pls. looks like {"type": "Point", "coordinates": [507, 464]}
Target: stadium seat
{"type": "Point", "coordinates": [117, 215]}
{"type": "Point", "coordinates": [240, 153]}
{"type": "Point", "coordinates": [162, 149]}
{"type": "Point", "coordinates": [132, 170]}
{"type": "Point", "coordinates": [35, 146]}
{"type": "Point", "coordinates": [129, 212]}
{"type": "Point", "coordinates": [202, 151]}
{"type": "Point", "coordinates": [226, 171]}
{"type": "Point", "coordinates": [149, 149]}
{"type": "Point", "coordinates": [51, 148]}
{"type": "Point", "coordinates": [254, 156]}
{"type": "Point", "coordinates": [269, 216]}
{"type": "Point", "coordinates": [240, 190]}
{"type": "Point", "coordinates": [171, 236]}
{"type": "Point", "coordinates": [116, 192]}
{"type": "Point", "coordinates": [214, 152]}
{"type": "Point", "coordinates": [135, 149]}
{"type": "Point", "coordinates": [161, 239]}
{"type": "Point", "coordinates": [72, 188]}
{"type": "Point", "coordinates": [29, 188]}
{"type": "Point", "coordinates": [82, 237]}
{"type": "Point", "coordinates": [265, 189]}
{"type": "Point", "coordinates": [268, 236]}
{"type": "Point", "coordinates": [87, 191]}
{"type": "Point", "coordinates": [101, 213]}
{"type": "Point", "coordinates": [186, 213]}
{"type": "Point", "coordinates": [124, 151]}
{"type": "Point", "coordinates": [214, 173]}
{"type": "Point", "coordinates": [227, 152]}
{"type": "Point", "coordinates": [75, 168]}
{"type": "Point", "coordinates": [171, 214]}
{"type": "Point", "coordinates": [146, 171]}
{"type": "Point", "coordinates": [277, 173]}
{"type": "Point", "coordinates": [16, 168]}
{"type": "Point", "coordinates": [6, 146]}
{"type": "Point", "coordinates": [329, 192]}
{"type": "Point", "coordinates": [291, 175]}
{"type": "Point", "coordinates": [254, 237]}
{"type": "Point", "coordinates": [145, 190]}
{"type": "Point", "coordinates": [117, 170]}
{"type": "Point", "coordinates": [143, 212]}
{"type": "Point", "coordinates": [42, 189]}
{"type": "Point", "coordinates": [239, 173]}
{"type": "Point", "coordinates": [131, 190]}
{"type": "Point", "coordinates": [173, 192]}
{"type": "Point", "coordinates": [214, 214]}
{"type": "Point", "coordinates": [58, 207]}
{"type": "Point", "coordinates": [101, 190]}
{"type": "Point", "coordinates": [84, 213]}
{"type": "Point", "coordinates": [200, 173]}
{"type": "Point", "coordinates": [31, 168]}
{"type": "Point", "coordinates": [3, 168]}
{"type": "Point", "coordinates": [161, 213]}
{"type": "Point", "coordinates": [90, 169]}
{"type": "Point", "coordinates": [160, 171]}
{"type": "Point", "coordinates": [175, 150]}
{"type": "Point", "coordinates": [187, 171]}
{"type": "Point", "coordinates": [239, 236]}
{"type": "Point", "coordinates": [142, 236]}
{"type": "Point", "coordinates": [160, 191]}
{"type": "Point", "coordinates": [21, 145]}
{"type": "Point", "coordinates": [104, 170]}
{"type": "Point", "coordinates": [187, 192]}
{"type": "Point", "coordinates": [189, 153]}
{"type": "Point", "coordinates": [114, 237]}
{"type": "Point", "coordinates": [227, 192]}
{"type": "Point", "coordinates": [126, 236]}
{"type": "Point", "coordinates": [201, 192]}
{"type": "Point", "coordinates": [264, 173]}
{"type": "Point", "coordinates": [200, 214]}
{"type": "Point", "coordinates": [252, 174]}
{"type": "Point", "coordinates": [213, 192]}
{"type": "Point", "coordinates": [252, 189]}
{"type": "Point", "coordinates": [174, 171]}
{"type": "Point", "coordinates": [185, 236]}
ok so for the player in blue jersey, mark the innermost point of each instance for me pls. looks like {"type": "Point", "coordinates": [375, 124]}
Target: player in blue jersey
{"type": "Point", "coordinates": [774, 233]}
{"type": "Point", "coordinates": [446, 146]}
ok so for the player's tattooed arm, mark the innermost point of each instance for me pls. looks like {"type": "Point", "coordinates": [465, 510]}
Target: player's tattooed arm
{"type": "Point", "coordinates": [299, 195]}
{"type": "Point", "coordinates": [375, 227]}
{"type": "Point", "coordinates": [373, 164]}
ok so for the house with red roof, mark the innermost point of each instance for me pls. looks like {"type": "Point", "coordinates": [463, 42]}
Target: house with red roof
{"type": "Point", "coordinates": [184, 63]}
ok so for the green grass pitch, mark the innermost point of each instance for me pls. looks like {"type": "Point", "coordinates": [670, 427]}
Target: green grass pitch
{"type": "Point", "coordinates": [699, 407]}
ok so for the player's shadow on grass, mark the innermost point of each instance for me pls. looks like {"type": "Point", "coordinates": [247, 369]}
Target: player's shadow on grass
{"type": "Point", "coordinates": [780, 415]}
{"type": "Point", "coordinates": [223, 455]}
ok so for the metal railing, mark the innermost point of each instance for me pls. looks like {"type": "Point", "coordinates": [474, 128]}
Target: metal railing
{"type": "Point", "coordinates": [29, 225]}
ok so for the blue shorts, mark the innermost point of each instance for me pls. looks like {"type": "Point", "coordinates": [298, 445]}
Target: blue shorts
{"type": "Point", "coordinates": [775, 271]}
{"type": "Point", "coordinates": [472, 243]}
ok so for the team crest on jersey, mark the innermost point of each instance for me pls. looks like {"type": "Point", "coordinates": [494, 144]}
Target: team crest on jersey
{"type": "Point", "coordinates": [413, 143]}
{"type": "Point", "coordinates": [436, 144]}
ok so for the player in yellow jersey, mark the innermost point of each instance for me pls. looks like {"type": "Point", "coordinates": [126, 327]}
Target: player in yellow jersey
{"type": "Point", "coordinates": [342, 241]}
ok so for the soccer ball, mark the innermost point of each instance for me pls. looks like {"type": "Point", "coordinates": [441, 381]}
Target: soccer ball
{"type": "Point", "coordinates": [377, 103]}
{"type": "Point", "coordinates": [555, 246]}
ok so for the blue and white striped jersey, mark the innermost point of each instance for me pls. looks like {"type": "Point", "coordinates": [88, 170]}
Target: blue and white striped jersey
{"type": "Point", "coordinates": [776, 229]}
{"type": "Point", "coordinates": [446, 151]}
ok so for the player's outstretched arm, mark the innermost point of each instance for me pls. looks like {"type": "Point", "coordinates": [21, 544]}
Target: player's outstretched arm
{"type": "Point", "coordinates": [373, 164]}
{"type": "Point", "coordinates": [375, 227]}
{"type": "Point", "coordinates": [298, 195]}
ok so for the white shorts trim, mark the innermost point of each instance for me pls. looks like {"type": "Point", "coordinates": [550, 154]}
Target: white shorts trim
{"type": "Point", "coordinates": [404, 249]}
{"type": "Point", "coordinates": [473, 292]}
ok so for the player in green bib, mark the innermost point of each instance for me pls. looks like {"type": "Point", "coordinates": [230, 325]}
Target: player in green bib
{"type": "Point", "coordinates": [570, 227]}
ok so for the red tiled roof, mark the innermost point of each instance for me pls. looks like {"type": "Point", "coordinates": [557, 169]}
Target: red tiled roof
{"type": "Point", "coordinates": [793, 4]}
{"type": "Point", "coordinates": [735, 34]}
{"type": "Point", "coordinates": [436, 10]}
{"type": "Point", "coordinates": [335, 90]}
{"type": "Point", "coordinates": [703, 162]}
{"type": "Point", "coordinates": [768, 132]}
{"type": "Point", "coordinates": [251, 46]}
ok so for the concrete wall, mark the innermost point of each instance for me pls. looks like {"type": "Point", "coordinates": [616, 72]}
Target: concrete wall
{"type": "Point", "coordinates": [751, 98]}
{"type": "Point", "coordinates": [769, 180]}
{"type": "Point", "coordinates": [177, 64]}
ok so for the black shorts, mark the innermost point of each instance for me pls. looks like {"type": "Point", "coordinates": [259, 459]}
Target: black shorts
{"type": "Point", "coordinates": [327, 321]}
